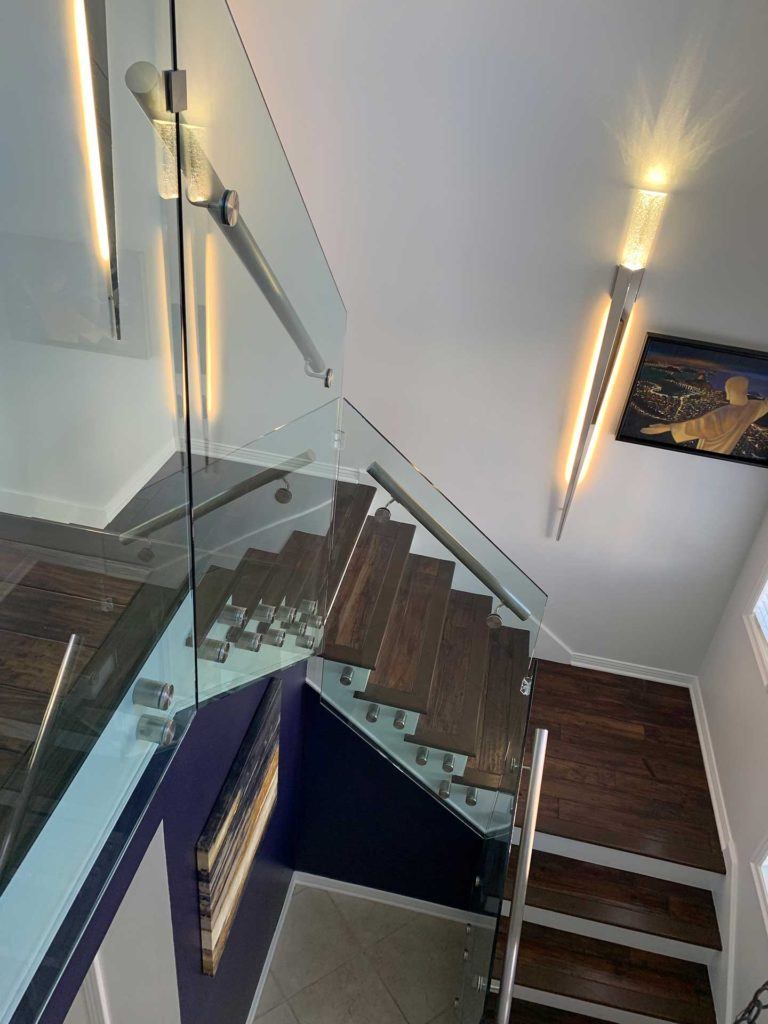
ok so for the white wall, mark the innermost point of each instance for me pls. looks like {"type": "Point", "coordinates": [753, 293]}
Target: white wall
{"type": "Point", "coordinates": [133, 977]}
{"type": "Point", "coordinates": [84, 422]}
{"type": "Point", "coordinates": [461, 163]}
{"type": "Point", "coordinates": [736, 703]}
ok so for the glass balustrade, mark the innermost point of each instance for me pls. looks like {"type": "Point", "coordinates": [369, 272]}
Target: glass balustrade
{"type": "Point", "coordinates": [186, 502]}
{"type": "Point", "coordinates": [429, 644]}
{"type": "Point", "coordinates": [97, 683]}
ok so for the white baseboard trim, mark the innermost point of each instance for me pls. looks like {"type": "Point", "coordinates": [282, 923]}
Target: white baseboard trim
{"type": "Point", "coordinates": [621, 936]}
{"type": "Point", "coordinates": [627, 668]}
{"type": "Point", "coordinates": [271, 952]}
{"type": "Point", "coordinates": [394, 899]}
{"type": "Point", "coordinates": [593, 1010]}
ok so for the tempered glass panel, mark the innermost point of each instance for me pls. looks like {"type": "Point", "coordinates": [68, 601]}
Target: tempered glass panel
{"type": "Point", "coordinates": [92, 441]}
{"type": "Point", "coordinates": [428, 657]}
{"type": "Point", "coordinates": [249, 371]}
{"type": "Point", "coordinates": [262, 544]}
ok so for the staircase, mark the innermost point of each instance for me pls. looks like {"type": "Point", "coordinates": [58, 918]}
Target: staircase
{"type": "Point", "coordinates": [427, 657]}
{"type": "Point", "coordinates": [610, 926]}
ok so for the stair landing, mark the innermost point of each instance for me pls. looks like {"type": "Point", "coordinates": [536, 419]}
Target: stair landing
{"type": "Point", "coordinates": [624, 767]}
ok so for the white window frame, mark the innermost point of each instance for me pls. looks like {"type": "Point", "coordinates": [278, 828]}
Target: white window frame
{"type": "Point", "coordinates": [760, 874]}
{"type": "Point", "coordinates": [757, 636]}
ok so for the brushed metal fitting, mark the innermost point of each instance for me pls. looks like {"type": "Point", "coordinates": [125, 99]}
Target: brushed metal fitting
{"type": "Point", "coordinates": [161, 731]}
{"type": "Point", "coordinates": [152, 693]}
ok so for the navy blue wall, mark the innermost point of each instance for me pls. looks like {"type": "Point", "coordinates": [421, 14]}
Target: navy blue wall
{"type": "Point", "coordinates": [365, 821]}
{"type": "Point", "coordinates": [343, 811]}
{"type": "Point", "coordinates": [183, 802]}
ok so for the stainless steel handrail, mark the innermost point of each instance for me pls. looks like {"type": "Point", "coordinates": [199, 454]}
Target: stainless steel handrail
{"type": "Point", "coordinates": [457, 549]}
{"type": "Point", "coordinates": [205, 188]}
{"type": "Point", "coordinates": [253, 483]}
{"type": "Point", "coordinates": [521, 878]}
{"type": "Point", "coordinates": [43, 735]}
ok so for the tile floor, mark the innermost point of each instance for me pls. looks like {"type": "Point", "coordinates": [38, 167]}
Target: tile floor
{"type": "Point", "coordinates": [346, 960]}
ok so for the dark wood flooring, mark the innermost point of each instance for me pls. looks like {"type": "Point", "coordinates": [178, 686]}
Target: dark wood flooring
{"type": "Point", "coordinates": [536, 1013]}
{"type": "Point", "coordinates": [359, 617]}
{"type": "Point", "coordinates": [614, 976]}
{"type": "Point", "coordinates": [452, 718]}
{"type": "Point", "coordinates": [620, 898]}
{"type": "Point", "coordinates": [504, 711]}
{"type": "Point", "coordinates": [405, 670]}
{"type": "Point", "coordinates": [624, 767]}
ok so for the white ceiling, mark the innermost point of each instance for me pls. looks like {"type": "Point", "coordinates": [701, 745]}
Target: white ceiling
{"type": "Point", "coordinates": [461, 162]}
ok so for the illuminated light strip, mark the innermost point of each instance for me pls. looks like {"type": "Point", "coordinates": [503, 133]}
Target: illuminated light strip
{"type": "Point", "coordinates": [606, 401]}
{"type": "Point", "coordinates": [623, 295]}
{"type": "Point", "coordinates": [582, 412]}
{"type": "Point", "coordinates": [642, 229]}
{"type": "Point", "coordinates": [91, 130]}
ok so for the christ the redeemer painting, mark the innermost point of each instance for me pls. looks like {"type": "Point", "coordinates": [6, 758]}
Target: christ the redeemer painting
{"type": "Point", "coordinates": [696, 397]}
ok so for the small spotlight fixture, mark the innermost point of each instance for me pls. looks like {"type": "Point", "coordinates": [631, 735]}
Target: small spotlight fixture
{"type": "Point", "coordinates": [642, 228]}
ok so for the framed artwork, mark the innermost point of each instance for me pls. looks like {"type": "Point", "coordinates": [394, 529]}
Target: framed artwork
{"type": "Point", "coordinates": [236, 826]}
{"type": "Point", "coordinates": [691, 396]}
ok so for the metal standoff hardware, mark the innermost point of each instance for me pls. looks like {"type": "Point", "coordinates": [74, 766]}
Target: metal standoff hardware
{"type": "Point", "coordinates": [233, 615]}
{"type": "Point", "coordinates": [449, 762]}
{"type": "Point", "coordinates": [422, 756]}
{"type": "Point", "coordinates": [444, 789]}
{"type": "Point", "coordinates": [400, 720]}
{"type": "Point", "coordinates": [471, 797]}
{"type": "Point", "coordinates": [214, 650]}
{"type": "Point", "coordinates": [372, 714]}
{"type": "Point", "coordinates": [347, 675]}
{"type": "Point", "coordinates": [161, 731]}
{"type": "Point", "coordinates": [151, 693]}
{"type": "Point", "coordinates": [264, 612]}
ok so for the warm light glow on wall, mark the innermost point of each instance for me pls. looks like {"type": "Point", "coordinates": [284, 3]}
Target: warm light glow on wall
{"type": "Point", "coordinates": [93, 156]}
{"type": "Point", "coordinates": [606, 401]}
{"type": "Point", "coordinates": [644, 221]}
{"type": "Point", "coordinates": [212, 296]}
{"type": "Point", "coordinates": [582, 410]}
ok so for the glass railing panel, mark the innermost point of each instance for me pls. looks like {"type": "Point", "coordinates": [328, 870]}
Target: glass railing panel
{"type": "Point", "coordinates": [428, 657]}
{"type": "Point", "coordinates": [472, 774]}
{"type": "Point", "coordinates": [93, 441]}
{"type": "Point", "coordinates": [260, 294]}
{"type": "Point", "coordinates": [262, 521]}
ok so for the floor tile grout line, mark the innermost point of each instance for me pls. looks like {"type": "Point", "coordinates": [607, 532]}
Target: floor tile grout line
{"type": "Point", "coordinates": [327, 973]}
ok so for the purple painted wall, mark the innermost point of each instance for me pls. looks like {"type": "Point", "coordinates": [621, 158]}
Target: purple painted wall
{"type": "Point", "coordinates": [343, 811]}
{"type": "Point", "coordinates": [183, 802]}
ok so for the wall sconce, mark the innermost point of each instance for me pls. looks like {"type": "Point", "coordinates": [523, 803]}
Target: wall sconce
{"type": "Point", "coordinates": [98, 140]}
{"type": "Point", "coordinates": [644, 220]}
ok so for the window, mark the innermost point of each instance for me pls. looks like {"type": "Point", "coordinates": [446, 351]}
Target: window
{"type": "Point", "coordinates": [757, 627]}
{"type": "Point", "coordinates": [760, 872]}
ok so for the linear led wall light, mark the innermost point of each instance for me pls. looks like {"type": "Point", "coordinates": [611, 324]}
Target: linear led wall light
{"type": "Point", "coordinates": [645, 217]}
{"type": "Point", "coordinates": [97, 122]}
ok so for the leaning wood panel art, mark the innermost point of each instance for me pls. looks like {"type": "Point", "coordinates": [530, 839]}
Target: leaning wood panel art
{"type": "Point", "coordinates": [231, 837]}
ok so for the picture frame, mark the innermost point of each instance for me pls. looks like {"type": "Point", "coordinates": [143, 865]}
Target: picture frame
{"type": "Point", "coordinates": [699, 398]}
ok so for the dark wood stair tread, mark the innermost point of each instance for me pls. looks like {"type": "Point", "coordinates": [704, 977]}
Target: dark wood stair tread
{"type": "Point", "coordinates": [536, 1013]}
{"type": "Point", "coordinates": [213, 589]}
{"type": "Point", "coordinates": [620, 898]}
{"type": "Point", "coordinates": [406, 665]}
{"type": "Point", "coordinates": [55, 616]}
{"type": "Point", "coordinates": [351, 505]}
{"type": "Point", "coordinates": [359, 616]}
{"type": "Point", "coordinates": [31, 663]}
{"type": "Point", "coordinates": [251, 578]}
{"type": "Point", "coordinates": [610, 975]}
{"type": "Point", "coordinates": [624, 766]}
{"type": "Point", "coordinates": [504, 713]}
{"type": "Point", "coordinates": [452, 719]}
